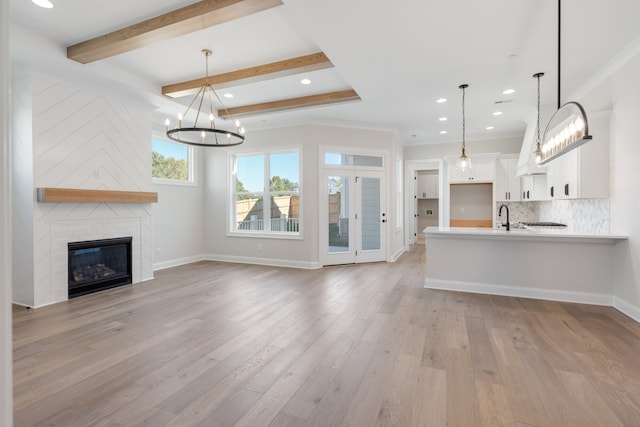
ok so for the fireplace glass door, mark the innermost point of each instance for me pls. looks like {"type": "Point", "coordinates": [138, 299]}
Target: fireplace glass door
{"type": "Point", "coordinates": [99, 264]}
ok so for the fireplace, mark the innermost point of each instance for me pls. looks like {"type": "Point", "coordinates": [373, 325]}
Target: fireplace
{"type": "Point", "coordinates": [97, 265]}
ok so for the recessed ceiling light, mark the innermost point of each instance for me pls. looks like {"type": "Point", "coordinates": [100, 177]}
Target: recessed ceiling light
{"type": "Point", "coordinates": [43, 3]}
{"type": "Point", "coordinates": [443, 119]}
{"type": "Point", "coordinates": [441, 100]}
{"type": "Point", "coordinates": [489, 128]}
{"type": "Point", "coordinates": [497, 113]}
{"type": "Point", "coordinates": [228, 95]}
{"type": "Point", "coordinates": [443, 132]}
{"type": "Point", "coordinates": [508, 91]}
{"type": "Point", "coordinates": [305, 81]}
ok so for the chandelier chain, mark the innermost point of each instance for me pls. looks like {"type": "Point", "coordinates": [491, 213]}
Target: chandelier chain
{"type": "Point", "coordinates": [538, 124]}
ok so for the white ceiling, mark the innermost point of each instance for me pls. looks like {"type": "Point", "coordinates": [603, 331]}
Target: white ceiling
{"type": "Point", "coordinates": [399, 56]}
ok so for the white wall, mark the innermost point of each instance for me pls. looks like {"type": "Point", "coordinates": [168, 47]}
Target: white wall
{"type": "Point", "coordinates": [625, 177]}
{"type": "Point", "coordinates": [293, 252]}
{"type": "Point", "coordinates": [22, 188]}
{"type": "Point", "coordinates": [178, 220]}
{"type": "Point", "coordinates": [435, 151]}
{"type": "Point", "coordinates": [6, 381]}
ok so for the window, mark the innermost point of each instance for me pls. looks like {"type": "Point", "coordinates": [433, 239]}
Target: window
{"type": "Point", "coordinates": [270, 177]}
{"type": "Point", "coordinates": [171, 162]}
{"type": "Point", "coordinates": [346, 159]}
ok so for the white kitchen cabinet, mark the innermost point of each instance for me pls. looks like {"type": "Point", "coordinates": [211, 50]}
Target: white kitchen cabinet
{"type": "Point", "coordinates": [483, 169]}
{"type": "Point", "coordinates": [583, 173]}
{"type": "Point", "coordinates": [534, 188]}
{"type": "Point", "coordinates": [508, 186]}
{"type": "Point", "coordinates": [427, 186]}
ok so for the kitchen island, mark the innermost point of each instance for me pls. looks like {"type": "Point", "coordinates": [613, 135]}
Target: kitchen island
{"type": "Point", "coordinates": [554, 264]}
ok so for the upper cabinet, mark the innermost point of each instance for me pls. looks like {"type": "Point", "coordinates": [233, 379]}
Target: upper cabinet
{"type": "Point", "coordinates": [583, 173]}
{"type": "Point", "coordinates": [507, 184]}
{"type": "Point", "coordinates": [534, 188]}
{"type": "Point", "coordinates": [483, 169]}
{"type": "Point", "coordinates": [427, 186]}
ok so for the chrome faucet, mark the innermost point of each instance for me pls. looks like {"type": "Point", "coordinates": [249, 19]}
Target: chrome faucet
{"type": "Point", "coordinates": [500, 214]}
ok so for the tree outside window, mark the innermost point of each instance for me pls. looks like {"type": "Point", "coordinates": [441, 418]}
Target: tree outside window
{"type": "Point", "coordinates": [170, 161]}
{"type": "Point", "coordinates": [267, 209]}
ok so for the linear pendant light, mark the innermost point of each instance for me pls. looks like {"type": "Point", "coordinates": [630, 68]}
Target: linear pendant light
{"type": "Point", "coordinates": [568, 127]}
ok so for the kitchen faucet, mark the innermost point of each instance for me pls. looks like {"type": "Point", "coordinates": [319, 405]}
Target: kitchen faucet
{"type": "Point", "coordinates": [500, 214]}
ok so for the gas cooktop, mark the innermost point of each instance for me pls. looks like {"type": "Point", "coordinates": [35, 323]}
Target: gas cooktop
{"type": "Point", "coordinates": [544, 224]}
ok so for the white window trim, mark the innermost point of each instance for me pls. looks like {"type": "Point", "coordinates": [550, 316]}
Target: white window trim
{"type": "Point", "coordinates": [231, 231]}
{"type": "Point", "coordinates": [191, 180]}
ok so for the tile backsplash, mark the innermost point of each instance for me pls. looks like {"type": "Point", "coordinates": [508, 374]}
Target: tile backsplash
{"type": "Point", "coordinates": [583, 215]}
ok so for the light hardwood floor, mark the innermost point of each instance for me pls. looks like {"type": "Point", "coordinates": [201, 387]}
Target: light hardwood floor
{"type": "Point", "coordinates": [217, 344]}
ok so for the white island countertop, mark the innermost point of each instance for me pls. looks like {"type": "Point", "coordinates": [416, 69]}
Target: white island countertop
{"type": "Point", "coordinates": [531, 234]}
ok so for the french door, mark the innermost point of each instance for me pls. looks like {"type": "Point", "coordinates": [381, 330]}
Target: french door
{"type": "Point", "coordinates": [353, 220]}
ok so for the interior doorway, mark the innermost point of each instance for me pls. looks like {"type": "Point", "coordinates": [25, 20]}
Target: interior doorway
{"type": "Point", "coordinates": [423, 201]}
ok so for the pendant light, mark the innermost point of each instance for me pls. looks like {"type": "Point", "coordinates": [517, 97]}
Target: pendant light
{"type": "Point", "coordinates": [568, 127]}
{"type": "Point", "coordinates": [464, 162]}
{"type": "Point", "coordinates": [538, 151]}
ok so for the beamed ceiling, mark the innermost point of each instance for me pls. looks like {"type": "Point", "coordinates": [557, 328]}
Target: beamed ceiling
{"type": "Point", "coordinates": [375, 63]}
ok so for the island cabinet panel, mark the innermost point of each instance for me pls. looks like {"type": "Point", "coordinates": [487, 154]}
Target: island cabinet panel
{"type": "Point", "coordinates": [553, 265]}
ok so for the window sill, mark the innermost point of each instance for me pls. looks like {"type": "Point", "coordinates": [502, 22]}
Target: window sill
{"type": "Point", "coordinates": [263, 235]}
{"type": "Point", "coordinates": [161, 181]}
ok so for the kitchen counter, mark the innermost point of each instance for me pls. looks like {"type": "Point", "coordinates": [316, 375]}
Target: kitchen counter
{"type": "Point", "coordinates": [529, 233]}
{"type": "Point", "coordinates": [554, 264]}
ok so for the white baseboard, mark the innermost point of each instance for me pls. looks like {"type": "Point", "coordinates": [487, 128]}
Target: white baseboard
{"type": "Point", "coordinates": [397, 255]}
{"type": "Point", "coordinates": [514, 291]}
{"type": "Point", "coordinates": [177, 262]}
{"type": "Point", "coordinates": [629, 309]}
{"type": "Point", "coordinates": [264, 261]}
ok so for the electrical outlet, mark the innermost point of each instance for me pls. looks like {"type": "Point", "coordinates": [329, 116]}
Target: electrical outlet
{"type": "Point", "coordinates": [260, 246]}
{"type": "Point", "coordinates": [461, 210]}
{"type": "Point", "coordinates": [157, 251]}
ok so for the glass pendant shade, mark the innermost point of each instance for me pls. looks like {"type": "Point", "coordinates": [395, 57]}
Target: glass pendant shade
{"type": "Point", "coordinates": [538, 153]}
{"type": "Point", "coordinates": [463, 163]}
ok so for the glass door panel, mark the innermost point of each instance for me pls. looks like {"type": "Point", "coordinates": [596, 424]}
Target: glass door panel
{"type": "Point", "coordinates": [338, 214]}
{"type": "Point", "coordinates": [371, 215]}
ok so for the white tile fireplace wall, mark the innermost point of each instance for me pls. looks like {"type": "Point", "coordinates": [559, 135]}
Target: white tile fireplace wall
{"type": "Point", "coordinates": [67, 136]}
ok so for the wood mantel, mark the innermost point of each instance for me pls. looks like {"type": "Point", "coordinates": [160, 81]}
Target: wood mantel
{"type": "Point", "coordinates": [74, 195]}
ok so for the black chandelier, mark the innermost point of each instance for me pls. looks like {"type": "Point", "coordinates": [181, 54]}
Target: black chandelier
{"type": "Point", "coordinates": [207, 135]}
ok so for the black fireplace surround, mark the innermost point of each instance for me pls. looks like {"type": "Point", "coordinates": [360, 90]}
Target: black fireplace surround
{"type": "Point", "coordinates": [97, 265]}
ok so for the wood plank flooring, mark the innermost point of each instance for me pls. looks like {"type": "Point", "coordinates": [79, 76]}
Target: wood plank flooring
{"type": "Point", "coordinates": [216, 344]}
